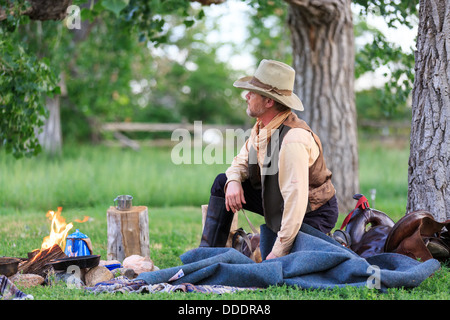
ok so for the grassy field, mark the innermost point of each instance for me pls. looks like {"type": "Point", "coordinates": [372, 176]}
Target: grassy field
{"type": "Point", "coordinates": [86, 179]}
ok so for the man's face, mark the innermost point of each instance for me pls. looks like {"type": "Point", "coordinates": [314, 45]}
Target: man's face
{"type": "Point", "coordinates": [255, 104]}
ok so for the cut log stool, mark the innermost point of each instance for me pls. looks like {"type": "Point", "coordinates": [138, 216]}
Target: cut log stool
{"type": "Point", "coordinates": [128, 233]}
{"type": "Point", "coordinates": [234, 224]}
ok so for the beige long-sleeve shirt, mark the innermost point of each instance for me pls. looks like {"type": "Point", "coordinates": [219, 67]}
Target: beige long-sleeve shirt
{"type": "Point", "coordinates": [298, 152]}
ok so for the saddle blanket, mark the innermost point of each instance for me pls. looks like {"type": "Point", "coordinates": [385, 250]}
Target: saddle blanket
{"type": "Point", "coordinates": [316, 261]}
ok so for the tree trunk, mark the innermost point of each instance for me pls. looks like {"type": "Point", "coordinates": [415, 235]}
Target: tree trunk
{"type": "Point", "coordinates": [51, 137]}
{"type": "Point", "coordinates": [429, 166]}
{"type": "Point", "coordinates": [323, 57]}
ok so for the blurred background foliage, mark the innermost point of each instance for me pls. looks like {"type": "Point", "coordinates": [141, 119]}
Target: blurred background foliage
{"type": "Point", "coordinates": [151, 61]}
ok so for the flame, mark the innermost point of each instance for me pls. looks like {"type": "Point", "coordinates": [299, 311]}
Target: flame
{"type": "Point", "coordinates": [58, 231]}
{"type": "Point", "coordinates": [86, 218]}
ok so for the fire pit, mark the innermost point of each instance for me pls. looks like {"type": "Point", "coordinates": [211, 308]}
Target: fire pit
{"type": "Point", "coordinates": [51, 253]}
{"type": "Point", "coordinates": [82, 262]}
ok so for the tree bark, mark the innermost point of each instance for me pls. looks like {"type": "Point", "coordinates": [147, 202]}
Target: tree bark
{"type": "Point", "coordinates": [323, 57]}
{"type": "Point", "coordinates": [48, 9]}
{"type": "Point", "coordinates": [429, 166]}
{"type": "Point", "coordinates": [43, 10]}
{"type": "Point", "coordinates": [51, 137]}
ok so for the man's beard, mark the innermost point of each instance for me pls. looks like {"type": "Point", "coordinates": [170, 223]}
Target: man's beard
{"type": "Point", "coordinates": [255, 113]}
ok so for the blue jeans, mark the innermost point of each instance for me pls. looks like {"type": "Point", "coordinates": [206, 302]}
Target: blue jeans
{"type": "Point", "coordinates": [323, 219]}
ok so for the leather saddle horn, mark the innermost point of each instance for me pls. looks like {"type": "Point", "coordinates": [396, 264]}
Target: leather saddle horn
{"type": "Point", "coordinates": [369, 229]}
{"type": "Point", "coordinates": [366, 229]}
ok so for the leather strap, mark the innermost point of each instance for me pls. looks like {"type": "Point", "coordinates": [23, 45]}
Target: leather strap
{"type": "Point", "coordinates": [250, 223]}
{"type": "Point", "coordinates": [362, 203]}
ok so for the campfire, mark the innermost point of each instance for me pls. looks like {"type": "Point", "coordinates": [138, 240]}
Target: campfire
{"type": "Point", "coordinates": [69, 257]}
{"type": "Point", "coordinates": [52, 247]}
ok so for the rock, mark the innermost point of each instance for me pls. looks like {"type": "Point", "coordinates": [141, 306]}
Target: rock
{"type": "Point", "coordinates": [126, 272]}
{"type": "Point", "coordinates": [27, 280]}
{"type": "Point", "coordinates": [138, 263]}
{"type": "Point", "coordinates": [108, 262]}
{"type": "Point", "coordinates": [96, 275]}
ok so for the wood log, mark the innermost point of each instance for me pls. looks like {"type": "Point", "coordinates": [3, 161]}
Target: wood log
{"type": "Point", "coordinates": [127, 142]}
{"type": "Point", "coordinates": [164, 127]}
{"type": "Point", "coordinates": [37, 262]}
{"type": "Point", "coordinates": [128, 233]}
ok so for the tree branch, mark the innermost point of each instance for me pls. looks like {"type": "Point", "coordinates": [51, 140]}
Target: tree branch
{"type": "Point", "coordinates": [42, 10]}
{"type": "Point", "coordinates": [320, 10]}
{"type": "Point", "coordinates": [56, 10]}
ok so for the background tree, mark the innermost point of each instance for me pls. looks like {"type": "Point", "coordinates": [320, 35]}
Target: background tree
{"type": "Point", "coordinates": [320, 45]}
{"type": "Point", "coordinates": [323, 57]}
{"type": "Point", "coordinates": [429, 167]}
{"type": "Point", "coordinates": [184, 79]}
{"type": "Point", "coordinates": [322, 54]}
{"type": "Point", "coordinates": [28, 78]}
{"type": "Point", "coordinates": [117, 45]}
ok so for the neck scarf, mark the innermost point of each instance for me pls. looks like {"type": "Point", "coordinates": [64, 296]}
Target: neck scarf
{"type": "Point", "coordinates": [260, 135]}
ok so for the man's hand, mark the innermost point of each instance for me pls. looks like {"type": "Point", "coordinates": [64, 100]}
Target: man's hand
{"type": "Point", "coordinates": [234, 196]}
{"type": "Point", "coordinates": [271, 255]}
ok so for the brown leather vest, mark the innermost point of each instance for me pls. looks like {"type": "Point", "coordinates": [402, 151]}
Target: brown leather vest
{"type": "Point", "coordinates": [320, 187]}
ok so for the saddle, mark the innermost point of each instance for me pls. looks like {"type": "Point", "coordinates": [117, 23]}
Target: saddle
{"type": "Point", "coordinates": [247, 243]}
{"type": "Point", "coordinates": [418, 235]}
{"type": "Point", "coordinates": [366, 229]}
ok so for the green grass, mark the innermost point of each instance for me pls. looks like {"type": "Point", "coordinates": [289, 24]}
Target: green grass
{"type": "Point", "coordinates": [86, 180]}
{"type": "Point", "coordinates": [90, 176]}
{"type": "Point", "coordinates": [384, 167]}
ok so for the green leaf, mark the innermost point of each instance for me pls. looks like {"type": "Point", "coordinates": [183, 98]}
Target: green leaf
{"type": "Point", "coordinates": [57, 90]}
{"type": "Point", "coordinates": [201, 15]}
{"type": "Point", "coordinates": [86, 14]}
{"type": "Point", "coordinates": [115, 5]}
{"type": "Point", "coordinates": [189, 23]}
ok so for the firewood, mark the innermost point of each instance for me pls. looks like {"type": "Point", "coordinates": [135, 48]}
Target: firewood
{"type": "Point", "coordinates": [37, 264]}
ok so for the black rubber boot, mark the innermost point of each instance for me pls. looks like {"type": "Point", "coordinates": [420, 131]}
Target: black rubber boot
{"type": "Point", "coordinates": [217, 223]}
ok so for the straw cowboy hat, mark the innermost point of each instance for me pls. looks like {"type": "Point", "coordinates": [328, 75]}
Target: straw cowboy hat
{"type": "Point", "coordinates": [275, 80]}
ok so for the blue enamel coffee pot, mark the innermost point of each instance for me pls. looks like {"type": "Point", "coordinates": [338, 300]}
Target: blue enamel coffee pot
{"type": "Point", "coordinates": [76, 246]}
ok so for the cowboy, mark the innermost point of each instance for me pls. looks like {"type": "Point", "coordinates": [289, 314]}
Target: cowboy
{"type": "Point", "coordinates": [279, 173]}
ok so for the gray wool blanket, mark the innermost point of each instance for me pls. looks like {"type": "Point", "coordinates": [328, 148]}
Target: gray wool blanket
{"type": "Point", "coordinates": [316, 261]}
